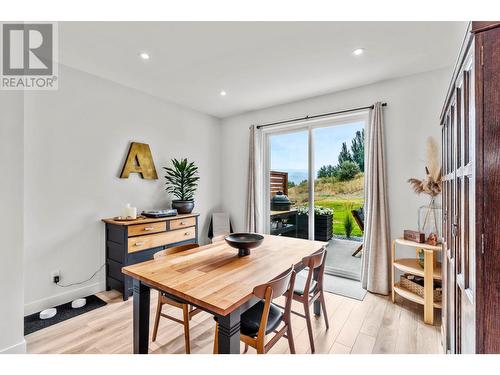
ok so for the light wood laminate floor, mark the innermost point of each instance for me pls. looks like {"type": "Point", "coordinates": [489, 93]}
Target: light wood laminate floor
{"type": "Point", "coordinates": [374, 325]}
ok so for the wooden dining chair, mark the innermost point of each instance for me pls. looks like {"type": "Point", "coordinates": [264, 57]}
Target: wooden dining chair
{"type": "Point", "coordinates": [307, 290]}
{"type": "Point", "coordinates": [187, 311]}
{"type": "Point", "coordinates": [264, 317]}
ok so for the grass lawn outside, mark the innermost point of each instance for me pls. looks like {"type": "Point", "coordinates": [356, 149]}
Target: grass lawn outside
{"type": "Point", "coordinates": [339, 212]}
{"type": "Point", "coordinates": [338, 195]}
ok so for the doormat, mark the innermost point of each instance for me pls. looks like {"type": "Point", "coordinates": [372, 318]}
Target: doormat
{"type": "Point", "coordinates": [33, 323]}
{"type": "Point", "coordinates": [344, 287]}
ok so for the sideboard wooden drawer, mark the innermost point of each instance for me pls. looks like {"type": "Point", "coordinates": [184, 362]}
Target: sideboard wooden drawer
{"type": "Point", "coordinates": [182, 223]}
{"type": "Point", "coordinates": [131, 242]}
{"type": "Point", "coordinates": [160, 239]}
{"type": "Point", "coordinates": [148, 228]}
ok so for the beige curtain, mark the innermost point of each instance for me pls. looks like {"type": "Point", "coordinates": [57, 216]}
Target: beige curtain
{"type": "Point", "coordinates": [254, 188]}
{"type": "Point", "coordinates": [375, 269]}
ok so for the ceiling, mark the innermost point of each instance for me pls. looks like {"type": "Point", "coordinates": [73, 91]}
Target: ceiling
{"type": "Point", "coordinates": [258, 64]}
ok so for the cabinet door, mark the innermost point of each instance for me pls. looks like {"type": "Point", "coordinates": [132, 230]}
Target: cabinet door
{"type": "Point", "coordinates": [449, 230]}
{"type": "Point", "coordinates": [487, 190]}
{"type": "Point", "coordinates": [465, 260]}
{"type": "Point", "coordinates": [459, 216]}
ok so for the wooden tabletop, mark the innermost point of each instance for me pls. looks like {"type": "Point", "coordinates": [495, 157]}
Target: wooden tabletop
{"type": "Point", "coordinates": [215, 278]}
{"type": "Point", "coordinates": [146, 220]}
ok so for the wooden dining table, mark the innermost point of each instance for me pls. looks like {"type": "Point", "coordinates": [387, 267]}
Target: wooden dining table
{"type": "Point", "coordinates": [215, 279]}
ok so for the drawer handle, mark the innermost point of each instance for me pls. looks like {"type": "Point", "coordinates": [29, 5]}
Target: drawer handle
{"type": "Point", "coordinates": [139, 243]}
{"type": "Point", "coordinates": [187, 233]}
{"type": "Point", "coordinates": [149, 228]}
{"type": "Point", "coordinates": [182, 223]}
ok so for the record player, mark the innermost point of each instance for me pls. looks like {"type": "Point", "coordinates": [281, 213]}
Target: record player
{"type": "Point", "coordinates": [159, 213]}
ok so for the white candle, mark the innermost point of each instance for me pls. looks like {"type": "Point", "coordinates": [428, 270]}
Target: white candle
{"type": "Point", "coordinates": [130, 212]}
{"type": "Point", "coordinates": [125, 210]}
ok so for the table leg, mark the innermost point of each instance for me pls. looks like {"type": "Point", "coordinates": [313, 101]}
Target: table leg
{"type": "Point", "coordinates": [141, 317]}
{"type": "Point", "coordinates": [229, 333]}
{"type": "Point", "coordinates": [125, 292]}
{"type": "Point", "coordinates": [428, 287]}
{"type": "Point", "coordinates": [317, 302]}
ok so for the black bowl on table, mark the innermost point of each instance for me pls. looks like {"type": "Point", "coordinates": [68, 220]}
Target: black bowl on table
{"type": "Point", "coordinates": [244, 242]}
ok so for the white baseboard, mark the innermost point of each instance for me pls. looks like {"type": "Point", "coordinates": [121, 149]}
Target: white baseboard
{"type": "Point", "coordinates": [64, 297]}
{"type": "Point", "coordinates": [19, 348]}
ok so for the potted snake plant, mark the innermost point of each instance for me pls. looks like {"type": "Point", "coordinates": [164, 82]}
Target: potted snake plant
{"type": "Point", "coordinates": [182, 182]}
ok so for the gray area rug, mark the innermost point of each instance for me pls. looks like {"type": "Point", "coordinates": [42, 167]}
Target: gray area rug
{"type": "Point", "coordinates": [344, 287]}
{"type": "Point", "coordinates": [339, 259]}
{"type": "Point", "coordinates": [339, 285]}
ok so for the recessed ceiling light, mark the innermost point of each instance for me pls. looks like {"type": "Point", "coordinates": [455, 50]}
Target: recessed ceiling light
{"type": "Point", "coordinates": [144, 55]}
{"type": "Point", "coordinates": [223, 93]}
{"type": "Point", "coordinates": [358, 51]}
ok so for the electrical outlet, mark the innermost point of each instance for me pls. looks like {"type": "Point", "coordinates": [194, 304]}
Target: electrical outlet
{"type": "Point", "coordinates": [55, 276]}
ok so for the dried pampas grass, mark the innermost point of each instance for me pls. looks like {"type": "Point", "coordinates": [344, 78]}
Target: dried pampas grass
{"type": "Point", "coordinates": [431, 185]}
{"type": "Point", "coordinates": [433, 165]}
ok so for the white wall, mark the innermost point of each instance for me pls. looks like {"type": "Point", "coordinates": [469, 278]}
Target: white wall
{"type": "Point", "coordinates": [412, 114]}
{"type": "Point", "coordinates": [11, 223]}
{"type": "Point", "coordinates": [76, 140]}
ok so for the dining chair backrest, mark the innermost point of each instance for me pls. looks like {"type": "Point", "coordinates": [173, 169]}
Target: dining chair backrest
{"type": "Point", "coordinates": [315, 260]}
{"type": "Point", "coordinates": [272, 290]}
{"type": "Point", "coordinates": [316, 263]}
{"type": "Point", "coordinates": [276, 287]}
{"type": "Point", "coordinates": [174, 250]}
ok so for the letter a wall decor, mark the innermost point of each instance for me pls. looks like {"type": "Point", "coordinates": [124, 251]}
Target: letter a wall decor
{"type": "Point", "coordinates": [139, 160]}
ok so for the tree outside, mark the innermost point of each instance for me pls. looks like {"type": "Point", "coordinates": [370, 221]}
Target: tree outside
{"type": "Point", "coordinates": [339, 186]}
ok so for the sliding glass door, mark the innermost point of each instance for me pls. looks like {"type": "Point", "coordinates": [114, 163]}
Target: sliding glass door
{"type": "Point", "coordinates": [315, 186]}
{"type": "Point", "coordinates": [339, 194]}
{"type": "Point", "coordinates": [288, 183]}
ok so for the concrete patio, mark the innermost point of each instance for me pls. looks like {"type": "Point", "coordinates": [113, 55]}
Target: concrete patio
{"type": "Point", "coordinates": [339, 259]}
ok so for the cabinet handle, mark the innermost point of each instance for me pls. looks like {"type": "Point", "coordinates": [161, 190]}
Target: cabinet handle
{"type": "Point", "coordinates": [149, 228]}
{"type": "Point", "coordinates": [139, 243]}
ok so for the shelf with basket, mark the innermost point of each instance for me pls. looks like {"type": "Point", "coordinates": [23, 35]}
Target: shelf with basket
{"type": "Point", "coordinates": [426, 267]}
{"type": "Point", "coordinates": [411, 296]}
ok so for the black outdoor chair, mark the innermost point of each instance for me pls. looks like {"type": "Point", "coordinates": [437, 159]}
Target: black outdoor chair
{"type": "Point", "coordinates": [359, 217]}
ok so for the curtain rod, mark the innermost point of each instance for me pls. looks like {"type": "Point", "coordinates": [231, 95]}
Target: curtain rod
{"type": "Point", "coordinates": [317, 116]}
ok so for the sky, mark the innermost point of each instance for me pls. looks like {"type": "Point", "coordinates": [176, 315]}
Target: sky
{"type": "Point", "coordinates": [289, 151]}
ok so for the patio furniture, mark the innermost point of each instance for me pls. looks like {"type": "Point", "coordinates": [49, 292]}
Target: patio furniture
{"type": "Point", "coordinates": [284, 223]}
{"type": "Point", "coordinates": [359, 217]}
